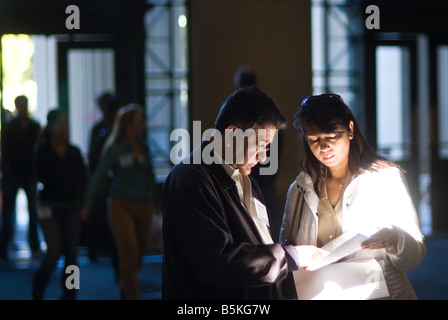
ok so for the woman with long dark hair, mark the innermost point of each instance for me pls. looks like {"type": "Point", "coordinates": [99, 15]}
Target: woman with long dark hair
{"type": "Point", "coordinates": [346, 187]}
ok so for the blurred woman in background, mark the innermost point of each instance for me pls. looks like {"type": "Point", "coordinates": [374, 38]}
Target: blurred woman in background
{"type": "Point", "coordinates": [133, 194]}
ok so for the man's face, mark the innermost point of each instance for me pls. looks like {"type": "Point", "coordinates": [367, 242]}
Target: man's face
{"type": "Point", "coordinates": [253, 149]}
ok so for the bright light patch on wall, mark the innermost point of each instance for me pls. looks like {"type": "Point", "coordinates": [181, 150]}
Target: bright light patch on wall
{"type": "Point", "coordinates": [18, 69]}
{"type": "Point", "coordinates": [182, 21]}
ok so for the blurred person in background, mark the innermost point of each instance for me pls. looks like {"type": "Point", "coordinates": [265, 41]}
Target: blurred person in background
{"type": "Point", "coordinates": [20, 139]}
{"type": "Point", "coordinates": [63, 173]}
{"type": "Point", "coordinates": [97, 228]}
{"type": "Point", "coordinates": [133, 193]}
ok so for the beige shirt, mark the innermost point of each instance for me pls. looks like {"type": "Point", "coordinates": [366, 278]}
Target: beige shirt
{"type": "Point", "coordinates": [329, 218]}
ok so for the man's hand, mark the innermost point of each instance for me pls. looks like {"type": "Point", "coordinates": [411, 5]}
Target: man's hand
{"type": "Point", "coordinates": [309, 255]}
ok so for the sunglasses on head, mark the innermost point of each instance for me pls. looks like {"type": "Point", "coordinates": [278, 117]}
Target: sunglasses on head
{"type": "Point", "coordinates": [324, 97]}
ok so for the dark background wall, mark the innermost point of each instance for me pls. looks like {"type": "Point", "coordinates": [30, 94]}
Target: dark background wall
{"type": "Point", "coordinates": [272, 37]}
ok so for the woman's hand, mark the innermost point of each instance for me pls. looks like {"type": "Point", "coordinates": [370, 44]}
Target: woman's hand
{"type": "Point", "coordinates": [385, 238]}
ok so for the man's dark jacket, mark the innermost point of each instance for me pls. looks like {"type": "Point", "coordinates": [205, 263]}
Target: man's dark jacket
{"type": "Point", "coordinates": [212, 248]}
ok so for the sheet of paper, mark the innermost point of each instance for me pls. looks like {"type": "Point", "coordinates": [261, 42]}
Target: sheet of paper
{"type": "Point", "coordinates": [357, 279]}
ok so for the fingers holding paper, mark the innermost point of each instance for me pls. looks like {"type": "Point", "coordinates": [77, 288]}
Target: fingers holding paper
{"type": "Point", "coordinates": [309, 254]}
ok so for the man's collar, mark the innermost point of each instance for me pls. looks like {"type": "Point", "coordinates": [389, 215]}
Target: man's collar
{"type": "Point", "coordinates": [230, 170]}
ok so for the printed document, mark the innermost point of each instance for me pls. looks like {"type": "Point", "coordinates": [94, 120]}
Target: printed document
{"type": "Point", "coordinates": [341, 247]}
{"type": "Point", "coordinates": [335, 277]}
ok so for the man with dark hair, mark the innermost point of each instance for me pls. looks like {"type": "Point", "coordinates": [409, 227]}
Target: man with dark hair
{"type": "Point", "coordinates": [217, 241]}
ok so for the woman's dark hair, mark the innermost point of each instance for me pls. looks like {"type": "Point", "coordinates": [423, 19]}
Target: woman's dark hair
{"type": "Point", "coordinates": [247, 107]}
{"type": "Point", "coordinates": [328, 113]}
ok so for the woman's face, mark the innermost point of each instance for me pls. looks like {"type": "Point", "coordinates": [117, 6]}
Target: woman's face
{"type": "Point", "coordinates": [332, 149]}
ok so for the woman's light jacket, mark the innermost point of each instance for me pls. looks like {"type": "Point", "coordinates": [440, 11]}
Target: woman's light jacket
{"type": "Point", "coordinates": [373, 199]}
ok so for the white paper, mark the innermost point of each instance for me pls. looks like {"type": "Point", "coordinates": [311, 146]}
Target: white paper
{"type": "Point", "coordinates": [357, 279]}
{"type": "Point", "coordinates": [342, 246]}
